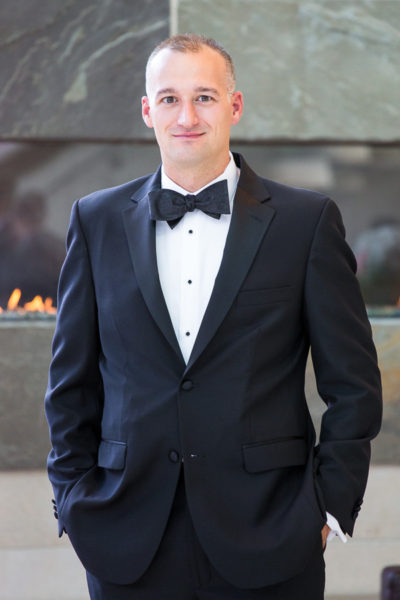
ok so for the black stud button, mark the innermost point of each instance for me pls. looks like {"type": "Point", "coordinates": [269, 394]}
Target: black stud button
{"type": "Point", "coordinates": [187, 385]}
{"type": "Point", "coordinates": [173, 456]}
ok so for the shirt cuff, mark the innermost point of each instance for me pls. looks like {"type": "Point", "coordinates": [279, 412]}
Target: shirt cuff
{"type": "Point", "coordinates": [335, 529]}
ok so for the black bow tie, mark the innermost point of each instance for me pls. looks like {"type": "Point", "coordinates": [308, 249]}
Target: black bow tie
{"type": "Point", "coordinates": [168, 205]}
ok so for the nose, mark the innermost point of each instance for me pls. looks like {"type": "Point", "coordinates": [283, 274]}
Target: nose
{"type": "Point", "coordinates": [187, 116]}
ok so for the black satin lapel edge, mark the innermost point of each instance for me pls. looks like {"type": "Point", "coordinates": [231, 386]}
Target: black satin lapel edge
{"type": "Point", "coordinates": [140, 234]}
{"type": "Point", "coordinates": [250, 221]}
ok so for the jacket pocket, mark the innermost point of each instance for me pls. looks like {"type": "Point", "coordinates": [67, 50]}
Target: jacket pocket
{"type": "Point", "coordinates": [264, 296]}
{"type": "Point", "coordinates": [274, 454]}
{"type": "Point", "coordinates": [112, 454]}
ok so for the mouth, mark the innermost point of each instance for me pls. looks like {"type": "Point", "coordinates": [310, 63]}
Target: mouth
{"type": "Point", "coordinates": [187, 136]}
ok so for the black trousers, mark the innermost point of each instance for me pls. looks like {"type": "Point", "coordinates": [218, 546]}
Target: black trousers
{"type": "Point", "coordinates": [180, 570]}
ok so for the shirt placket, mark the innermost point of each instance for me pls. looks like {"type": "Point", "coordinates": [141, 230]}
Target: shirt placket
{"type": "Point", "coordinates": [188, 326]}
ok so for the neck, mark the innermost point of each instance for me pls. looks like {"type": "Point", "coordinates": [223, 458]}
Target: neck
{"type": "Point", "coordinates": [194, 178]}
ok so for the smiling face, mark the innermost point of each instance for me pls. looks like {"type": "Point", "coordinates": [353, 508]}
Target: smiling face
{"type": "Point", "coordinates": [191, 110]}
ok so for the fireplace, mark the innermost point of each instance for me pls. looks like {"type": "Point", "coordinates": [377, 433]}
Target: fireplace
{"type": "Point", "coordinates": [38, 184]}
{"type": "Point", "coordinates": [37, 308]}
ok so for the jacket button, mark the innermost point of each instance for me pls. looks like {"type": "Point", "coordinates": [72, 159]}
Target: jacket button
{"type": "Point", "coordinates": [187, 385]}
{"type": "Point", "coordinates": [173, 456]}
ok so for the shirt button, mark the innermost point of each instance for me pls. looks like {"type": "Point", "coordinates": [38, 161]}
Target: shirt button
{"type": "Point", "coordinates": [190, 231]}
{"type": "Point", "coordinates": [188, 333]}
{"type": "Point", "coordinates": [187, 385]}
{"type": "Point", "coordinates": [189, 281]}
{"type": "Point", "coordinates": [173, 456]}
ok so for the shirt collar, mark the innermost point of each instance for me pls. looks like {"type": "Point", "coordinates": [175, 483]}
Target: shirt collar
{"type": "Point", "coordinates": [231, 174]}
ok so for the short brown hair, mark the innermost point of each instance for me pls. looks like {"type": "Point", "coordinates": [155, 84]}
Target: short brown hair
{"type": "Point", "coordinates": [192, 42]}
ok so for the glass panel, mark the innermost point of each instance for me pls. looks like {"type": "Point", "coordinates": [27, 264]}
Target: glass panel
{"type": "Point", "coordinates": [40, 181]}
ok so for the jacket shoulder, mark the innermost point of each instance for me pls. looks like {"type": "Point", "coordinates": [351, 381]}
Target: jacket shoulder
{"type": "Point", "coordinates": [113, 198]}
{"type": "Point", "coordinates": [301, 197]}
{"type": "Point", "coordinates": [299, 205]}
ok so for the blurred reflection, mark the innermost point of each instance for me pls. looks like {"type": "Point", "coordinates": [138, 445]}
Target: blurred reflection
{"type": "Point", "coordinates": [30, 256]}
{"type": "Point", "coordinates": [378, 256]}
{"type": "Point", "coordinates": [362, 179]}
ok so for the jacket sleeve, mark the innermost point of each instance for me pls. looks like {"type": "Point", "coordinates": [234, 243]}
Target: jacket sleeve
{"type": "Point", "coordinates": [74, 396]}
{"type": "Point", "coordinates": [345, 366]}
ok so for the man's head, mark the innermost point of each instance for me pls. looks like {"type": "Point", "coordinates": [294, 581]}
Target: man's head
{"type": "Point", "coordinates": [191, 42]}
{"type": "Point", "coordinates": [191, 103]}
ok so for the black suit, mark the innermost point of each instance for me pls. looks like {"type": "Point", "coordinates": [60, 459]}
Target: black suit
{"type": "Point", "coordinates": [123, 407]}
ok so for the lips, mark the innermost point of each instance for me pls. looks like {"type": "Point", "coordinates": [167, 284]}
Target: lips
{"type": "Point", "coordinates": [188, 136]}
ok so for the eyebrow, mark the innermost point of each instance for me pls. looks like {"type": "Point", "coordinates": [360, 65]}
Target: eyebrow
{"type": "Point", "coordinates": [166, 91]}
{"type": "Point", "coordinates": [207, 89]}
{"type": "Point", "coordinates": [197, 90]}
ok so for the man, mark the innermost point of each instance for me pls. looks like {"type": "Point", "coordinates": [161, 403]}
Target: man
{"type": "Point", "coordinates": [184, 462]}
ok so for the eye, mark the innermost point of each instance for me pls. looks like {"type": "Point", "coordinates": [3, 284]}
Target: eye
{"type": "Point", "coordinates": [204, 98]}
{"type": "Point", "coordinates": [168, 100]}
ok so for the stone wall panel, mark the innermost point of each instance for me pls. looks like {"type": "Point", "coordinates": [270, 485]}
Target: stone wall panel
{"type": "Point", "coordinates": [76, 69]}
{"type": "Point", "coordinates": [309, 70]}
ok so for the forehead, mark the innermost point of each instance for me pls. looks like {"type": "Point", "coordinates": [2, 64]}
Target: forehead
{"type": "Point", "coordinates": [170, 68]}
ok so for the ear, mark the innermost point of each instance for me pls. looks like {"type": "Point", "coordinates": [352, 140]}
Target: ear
{"type": "Point", "coordinates": [146, 111]}
{"type": "Point", "coordinates": [237, 107]}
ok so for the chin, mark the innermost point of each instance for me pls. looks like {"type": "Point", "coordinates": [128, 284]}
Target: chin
{"type": "Point", "coordinates": [188, 157]}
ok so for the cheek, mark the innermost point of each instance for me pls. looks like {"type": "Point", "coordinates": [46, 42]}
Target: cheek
{"type": "Point", "coordinates": [163, 121]}
{"type": "Point", "coordinates": [223, 127]}
{"type": "Point", "coordinates": [223, 120]}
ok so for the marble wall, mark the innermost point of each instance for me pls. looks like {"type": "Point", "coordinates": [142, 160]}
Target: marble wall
{"type": "Point", "coordinates": [24, 442]}
{"type": "Point", "coordinates": [24, 360]}
{"type": "Point", "coordinates": [72, 69]}
{"type": "Point", "coordinates": [310, 70]}
{"type": "Point", "coordinates": [328, 69]}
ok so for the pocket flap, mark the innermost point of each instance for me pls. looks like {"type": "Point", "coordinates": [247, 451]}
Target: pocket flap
{"type": "Point", "coordinates": [262, 456]}
{"type": "Point", "coordinates": [111, 454]}
{"type": "Point", "coordinates": [265, 296]}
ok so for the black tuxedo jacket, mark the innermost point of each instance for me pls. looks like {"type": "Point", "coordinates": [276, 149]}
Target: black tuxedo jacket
{"type": "Point", "coordinates": [124, 410]}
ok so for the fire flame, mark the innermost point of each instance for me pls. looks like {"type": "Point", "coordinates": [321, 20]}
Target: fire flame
{"type": "Point", "coordinates": [35, 305]}
{"type": "Point", "coordinates": [14, 299]}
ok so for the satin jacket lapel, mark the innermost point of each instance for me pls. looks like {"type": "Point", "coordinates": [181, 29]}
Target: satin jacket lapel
{"type": "Point", "coordinates": [140, 233]}
{"type": "Point", "coordinates": [251, 218]}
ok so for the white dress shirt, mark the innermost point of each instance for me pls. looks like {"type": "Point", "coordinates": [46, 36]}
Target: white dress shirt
{"type": "Point", "coordinates": [188, 259]}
